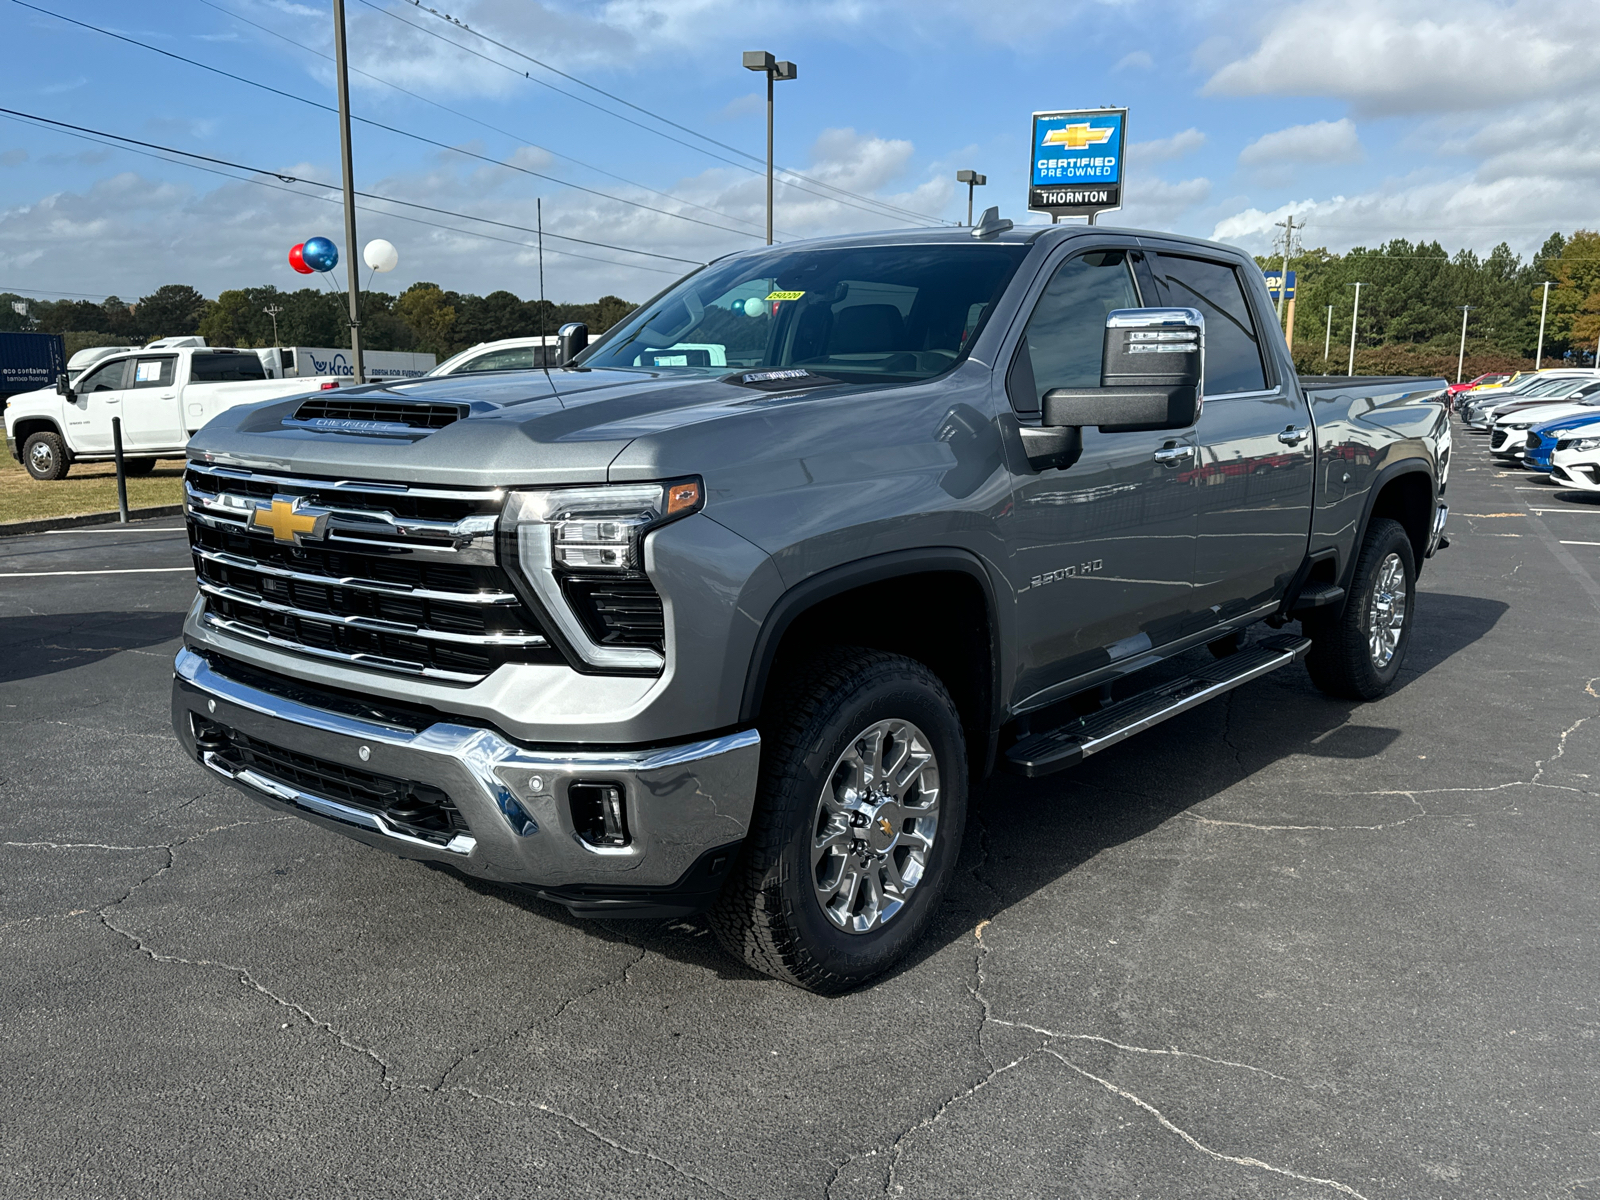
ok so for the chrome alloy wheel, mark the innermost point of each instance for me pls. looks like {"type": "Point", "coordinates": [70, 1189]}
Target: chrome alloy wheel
{"type": "Point", "coordinates": [875, 824]}
{"type": "Point", "coordinates": [1386, 616]}
{"type": "Point", "coordinates": [42, 457]}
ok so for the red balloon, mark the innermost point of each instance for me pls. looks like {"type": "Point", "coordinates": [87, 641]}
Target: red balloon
{"type": "Point", "coordinates": [297, 259]}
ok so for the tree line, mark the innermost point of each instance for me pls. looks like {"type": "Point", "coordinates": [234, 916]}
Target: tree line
{"type": "Point", "coordinates": [1412, 294]}
{"type": "Point", "coordinates": [424, 317]}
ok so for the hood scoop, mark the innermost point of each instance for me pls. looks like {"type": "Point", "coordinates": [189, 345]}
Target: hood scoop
{"type": "Point", "coordinates": [374, 418]}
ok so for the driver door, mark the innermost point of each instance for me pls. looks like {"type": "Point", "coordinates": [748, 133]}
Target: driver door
{"type": "Point", "coordinates": [98, 398]}
{"type": "Point", "coordinates": [1100, 553]}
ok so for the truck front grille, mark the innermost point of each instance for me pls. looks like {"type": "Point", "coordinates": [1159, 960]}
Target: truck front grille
{"type": "Point", "coordinates": [405, 579]}
{"type": "Point", "coordinates": [418, 809]}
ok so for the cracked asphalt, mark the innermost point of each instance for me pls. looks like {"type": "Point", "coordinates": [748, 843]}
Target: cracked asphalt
{"type": "Point", "coordinates": [1281, 947]}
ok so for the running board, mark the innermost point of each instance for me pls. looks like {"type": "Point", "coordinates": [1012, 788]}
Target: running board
{"type": "Point", "coordinates": [1068, 745]}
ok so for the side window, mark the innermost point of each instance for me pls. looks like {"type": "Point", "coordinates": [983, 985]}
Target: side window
{"type": "Point", "coordinates": [1233, 348]}
{"type": "Point", "coordinates": [1065, 337]}
{"type": "Point", "coordinates": [225, 368]}
{"type": "Point", "coordinates": [154, 372]}
{"type": "Point", "coordinates": [512, 359]}
{"type": "Point", "coordinates": [104, 379]}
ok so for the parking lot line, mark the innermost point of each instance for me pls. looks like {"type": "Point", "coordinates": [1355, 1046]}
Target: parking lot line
{"type": "Point", "coordinates": [1580, 543]}
{"type": "Point", "coordinates": [123, 571]}
{"type": "Point", "coordinates": [110, 529]}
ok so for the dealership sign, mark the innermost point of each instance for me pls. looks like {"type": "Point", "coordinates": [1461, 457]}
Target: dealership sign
{"type": "Point", "coordinates": [1076, 170]}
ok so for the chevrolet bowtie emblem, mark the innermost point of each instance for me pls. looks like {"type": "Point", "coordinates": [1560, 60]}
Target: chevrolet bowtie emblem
{"type": "Point", "coordinates": [289, 522]}
{"type": "Point", "coordinates": [1077, 137]}
{"type": "Point", "coordinates": [883, 824]}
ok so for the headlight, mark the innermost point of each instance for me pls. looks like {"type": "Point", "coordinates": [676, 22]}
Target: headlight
{"type": "Point", "coordinates": [1517, 425]}
{"type": "Point", "coordinates": [570, 535]}
{"type": "Point", "coordinates": [1587, 444]}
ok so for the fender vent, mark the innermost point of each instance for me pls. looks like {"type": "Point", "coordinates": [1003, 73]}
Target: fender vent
{"type": "Point", "coordinates": [333, 411]}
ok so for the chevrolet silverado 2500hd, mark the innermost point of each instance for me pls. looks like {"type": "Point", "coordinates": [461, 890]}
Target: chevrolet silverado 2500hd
{"type": "Point", "coordinates": [730, 611]}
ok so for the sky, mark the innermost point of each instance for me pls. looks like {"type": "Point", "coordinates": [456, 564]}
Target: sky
{"type": "Point", "coordinates": [1471, 122]}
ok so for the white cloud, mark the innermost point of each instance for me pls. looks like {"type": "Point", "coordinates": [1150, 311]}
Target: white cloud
{"type": "Point", "coordinates": [1166, 149]}
{"type": "Point", "coordinates": [1320, 142]}
{"type": "Point", "coordinates": [1415, 56]}
{"type": "Point", "coordinates": [1157, 204]}
{"type": "Point", "coordinates": [1138, 59]}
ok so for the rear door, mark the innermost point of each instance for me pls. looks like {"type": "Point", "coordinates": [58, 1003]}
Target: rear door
{"type": "Point", "coordinates": [1100, 552]}
{"type": "Point", "coordinates": [152, 416]}
{"type": "Point", "coordinates": [98, 398]}
{"type": "Point", "coordinates": [1255, 471]}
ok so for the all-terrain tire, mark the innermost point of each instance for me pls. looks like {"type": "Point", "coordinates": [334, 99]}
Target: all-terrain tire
{"type": "Point", "coordinates": [769, 914]}
{"type": "Point", "coordinates": [1343, 661]}
{"type": "Point", "coordinates": [45, 456]}
{"type": "Point", "coordinates": [138, 466]}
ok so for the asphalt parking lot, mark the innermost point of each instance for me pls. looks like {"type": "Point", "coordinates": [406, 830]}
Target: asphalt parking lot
{"type": "Point", "coordinates": [1282, 947]}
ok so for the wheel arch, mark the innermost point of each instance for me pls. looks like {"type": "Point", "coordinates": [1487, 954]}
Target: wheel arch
{"type": "Point", "coordinates": [1403, 491]}
{"type": "Point", "coordinates": [954, 629]}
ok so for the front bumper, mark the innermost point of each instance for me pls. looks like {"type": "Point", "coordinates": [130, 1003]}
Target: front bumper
{"type": "Point", "coordinates": [687, 807]}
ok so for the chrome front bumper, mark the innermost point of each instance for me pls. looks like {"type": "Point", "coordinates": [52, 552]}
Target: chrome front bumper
{"type": "Point", "coordinates": [688, 806]}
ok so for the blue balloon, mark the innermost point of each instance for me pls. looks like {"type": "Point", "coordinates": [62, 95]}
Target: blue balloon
{"type": "Point", "coordinates": [320, 254]}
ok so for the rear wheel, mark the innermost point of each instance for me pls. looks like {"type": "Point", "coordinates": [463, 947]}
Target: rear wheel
{"type": "Point", "coordinates": [138, 466]}
{"type": "Point", "coordinates": [1357, 654]}
{"type": "Point", "coordinates": [857, 826]}
{"type": "Point", "coordinates": [45, 456]}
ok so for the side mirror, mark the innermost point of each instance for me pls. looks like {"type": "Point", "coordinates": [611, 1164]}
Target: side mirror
{"type": "Point", "coordinates": [570, 339]}
{"type": "Point", "coordinates": [1151, 375]}
{"type": "Point", "coordinates": [64, 386]}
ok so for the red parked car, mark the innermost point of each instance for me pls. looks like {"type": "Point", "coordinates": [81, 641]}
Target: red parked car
{"type": "Point", "coordinates": [1480, 381]}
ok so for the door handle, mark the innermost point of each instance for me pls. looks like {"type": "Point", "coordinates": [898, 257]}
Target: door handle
{"type": "Point", "coordinates": [1293, 437]}
{"type": "Point", "coordinates": [1174, 454]}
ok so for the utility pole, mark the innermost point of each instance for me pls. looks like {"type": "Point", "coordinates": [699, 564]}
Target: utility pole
{"type": "Point", "coordinates": [1461, 355]}
{"type": "Point", "coordinates": [1543, 308]}
{"type": "Point", "coordinates": [1287, 225]}
{"type": "Point", "coordinates": [761, 60]}
{"type": "Point", "coordinates": [272, 310]}
{"type": "Point", "coordinates": [1327, 336]}
{"type": "Point", "coordinates": [972, 179]}
{"type": "Point", "coordinates": [1354, 314]}
{"type": "Point", "coordinates": [351, 268]}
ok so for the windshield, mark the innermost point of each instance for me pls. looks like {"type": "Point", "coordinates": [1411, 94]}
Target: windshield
{"type": "Point", "coordinates": [891, 313]}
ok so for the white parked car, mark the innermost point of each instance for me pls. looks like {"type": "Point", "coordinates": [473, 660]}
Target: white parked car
{"type": "Point", "coordinates": [1576, 463]}
{"type": "Point", "coordinates": [1508, 438]}
{"type": "Point", "coordinates": [1479, 408]}
{"type": "Point", "coordinates": [507, 354]}
{"type": "Point", "coordinates": [162, 395]}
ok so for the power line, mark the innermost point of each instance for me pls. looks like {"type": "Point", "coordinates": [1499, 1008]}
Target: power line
{"type": "Point", "coordinates": [379, 124]}
{"type": "Point", "coordinates": [301, 47]}
{"type": "Point", "coordinates": [885, 207]}
{"type": "Point", "coordinates": [96, 135]}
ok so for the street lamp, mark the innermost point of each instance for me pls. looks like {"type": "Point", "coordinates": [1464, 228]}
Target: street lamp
{"type": "Point", "coordinates": [972, 179]}
{"type": "Point", "coordinates": [1355, 312]}
{"type": "Point", "coordinates": [760, 60]}
{"type": "Point", "coordinates": [1544, 307]}
{"type": "Point", "coordinates": [1461, 355]}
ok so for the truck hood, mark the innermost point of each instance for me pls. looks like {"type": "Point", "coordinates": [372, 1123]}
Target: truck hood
{"type": "Point", "coordinates": [522, 428]}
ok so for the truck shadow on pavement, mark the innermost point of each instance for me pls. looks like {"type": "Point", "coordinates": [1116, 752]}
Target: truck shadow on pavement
{"type": "Point", "coordinates": [1023, 835]}
{"type": "Point", "coordinates": [45, 643]}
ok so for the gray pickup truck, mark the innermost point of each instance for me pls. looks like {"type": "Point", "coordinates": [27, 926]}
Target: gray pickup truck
{"type": "Point", "coordinates": [731, 611]}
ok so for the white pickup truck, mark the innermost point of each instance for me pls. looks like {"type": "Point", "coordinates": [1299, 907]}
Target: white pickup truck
{"type": "Point", "coordinates": [162, 395]}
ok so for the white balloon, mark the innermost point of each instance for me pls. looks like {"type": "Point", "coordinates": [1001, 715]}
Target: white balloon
{"type": "Point", "coordinates": [381, 256]}
{"type": "Point", "coordinates": [754, 307]}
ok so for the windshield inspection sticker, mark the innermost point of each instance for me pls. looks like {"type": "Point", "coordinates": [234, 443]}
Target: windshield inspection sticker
{"type": "Point", "coordinates": [785, 295]}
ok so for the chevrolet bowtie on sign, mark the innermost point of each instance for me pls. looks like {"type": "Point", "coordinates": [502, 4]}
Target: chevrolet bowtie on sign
{"type": "Point", "coordinates": [1076, 170]}
{"type": "Point", "coordinates": [291, 521]}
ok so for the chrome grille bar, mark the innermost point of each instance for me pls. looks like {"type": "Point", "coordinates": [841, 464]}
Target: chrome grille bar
{"type": "Point", "coordinates": [404, 667]}
{"type": "Point", "coordinates": [355, 583]}
{"type": "Point", "coordinates": [477, 495]}
{"type": "Point", "coordinates": [376, 624]}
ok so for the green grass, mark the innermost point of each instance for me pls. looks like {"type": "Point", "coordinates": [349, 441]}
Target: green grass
{"type": "Point", "coordinates": [88, 488]}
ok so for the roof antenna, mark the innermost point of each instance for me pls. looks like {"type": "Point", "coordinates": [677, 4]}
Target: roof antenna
{"type": "Point", "coordinates": [544, 350]}
{"type": "Point", "coordinates": [990, 224]}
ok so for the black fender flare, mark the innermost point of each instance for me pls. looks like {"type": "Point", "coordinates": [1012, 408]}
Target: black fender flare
{"type": "Point", "coordinates": [1414, 465]}
{"type": "Point", "coordinates": [843, 578]}
{"type": "Point", "coordinates": [32, 425]}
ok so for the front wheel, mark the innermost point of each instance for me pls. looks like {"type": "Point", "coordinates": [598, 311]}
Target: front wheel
{"type": "Point", "coordinates": [45, 456]}
{"type": "Point", "coordinates": [857, 826]}
{"type": "Point", "coordinates": [1357, 655]}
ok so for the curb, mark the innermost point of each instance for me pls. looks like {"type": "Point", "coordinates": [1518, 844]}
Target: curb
{"type": "Point", "coordinates": [16, 528]}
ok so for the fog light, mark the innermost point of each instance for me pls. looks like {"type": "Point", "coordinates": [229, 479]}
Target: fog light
{"type": "Point", "coordinates": [598, 813]}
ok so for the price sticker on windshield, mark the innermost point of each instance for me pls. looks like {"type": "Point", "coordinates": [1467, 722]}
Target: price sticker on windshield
{"type": "Point", "coordinates": [785, 295]}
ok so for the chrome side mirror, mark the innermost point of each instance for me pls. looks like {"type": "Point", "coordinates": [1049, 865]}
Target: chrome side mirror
{"type": "Point", "coordinates": [1152, 370]}
{"type": "Point", "coordinates": [570, 339]}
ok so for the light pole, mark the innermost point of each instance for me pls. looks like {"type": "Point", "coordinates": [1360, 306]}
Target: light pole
{"type": "Point", "coordinates": [1544, 307]}
{"type": "Point", "coordinates": [1287, 225]}
{"type": "Point", "coordinates": [760, 60]}
{"type": "Point", "coordinates": [1327, 336]}
{"type": "Point", "coordinates": [1461, 355]}
{"type": "Point", "coordinates": [972, 179]}
{"type": "Point", "coordinates": [272, 310]}
{"type": "Point", "coordinates": [1354, 314]}
{"type": "Point", "coordinates": [351, 269]}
